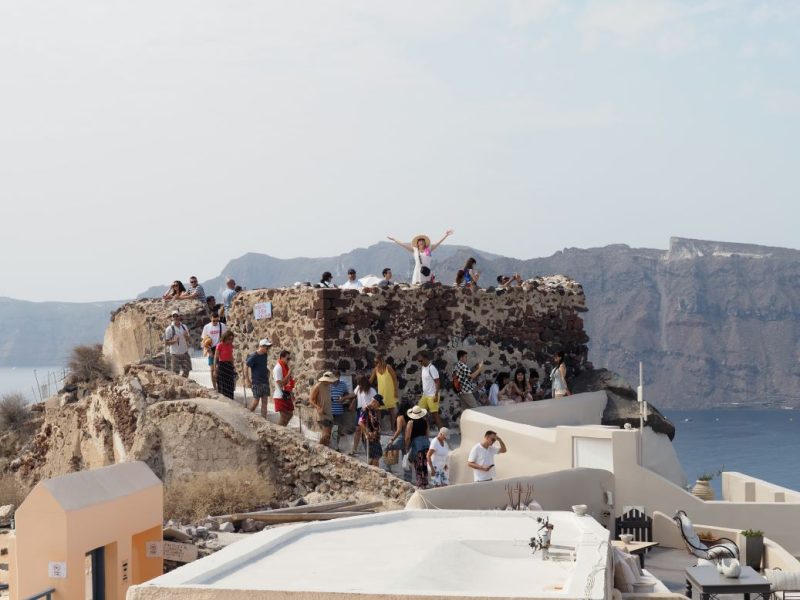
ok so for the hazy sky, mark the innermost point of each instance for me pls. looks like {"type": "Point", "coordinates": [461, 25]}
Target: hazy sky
{"type": "Point", "coordinates": [144, 141]}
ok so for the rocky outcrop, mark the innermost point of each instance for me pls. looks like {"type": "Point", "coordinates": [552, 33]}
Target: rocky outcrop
{"type": "Point", "coordinates": [178, 428]}
{"type": "Point", "coordinates": [136, 331]}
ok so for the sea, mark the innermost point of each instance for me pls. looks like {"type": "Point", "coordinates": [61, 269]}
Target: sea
{"type": "Point", "coordinates": [761, 442]}
{"type": "Point", "coordinates": [23, 380]}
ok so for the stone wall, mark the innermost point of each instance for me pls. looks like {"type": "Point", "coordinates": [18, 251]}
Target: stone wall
{"type": "Point", "coordinates": [345, 329]}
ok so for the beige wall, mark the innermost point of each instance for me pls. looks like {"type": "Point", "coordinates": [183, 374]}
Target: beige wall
{"type": "Point", "coordinates": [553, 491]}
{"type": "Point", "coordinates": [738, 487]}
{"type": "Point", "coordinates": [47, 533]}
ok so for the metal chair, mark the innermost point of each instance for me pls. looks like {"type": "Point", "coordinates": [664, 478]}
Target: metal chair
{"type": "Point", "coordinates": [723, 548]}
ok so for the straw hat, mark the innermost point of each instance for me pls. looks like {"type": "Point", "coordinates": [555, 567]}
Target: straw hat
{"type": "Point", "coordinates": [328, 377]}
{"type": "Point", "coordinates": [416, 412]}
{"type": "Point", "coordinates": [207, 342]}
{"type": "Point", "coordinates": [421, 236]}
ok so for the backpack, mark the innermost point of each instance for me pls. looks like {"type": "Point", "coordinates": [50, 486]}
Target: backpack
{"type": "Point", "coordinates": [456, 382]}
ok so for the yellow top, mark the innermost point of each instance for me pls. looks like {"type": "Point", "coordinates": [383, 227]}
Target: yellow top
{"type": "Point", "coordinates": [386, 388]}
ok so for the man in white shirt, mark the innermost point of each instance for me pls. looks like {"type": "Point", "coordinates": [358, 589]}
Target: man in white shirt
{"type": "Point", "coordinates": [176, 337]}
{"type": "Point", "coordinates": [352, 283]}
{"type": "Point", "coordinates": [214, 330]}
{"type": "Point", "coordinates": [481, 457]}
{"type": "Point", "coordinates": [430, 387]}
{"type": "Point", "coordinates": [284, 386]}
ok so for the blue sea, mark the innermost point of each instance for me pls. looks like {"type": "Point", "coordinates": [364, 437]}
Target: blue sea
{"type": "Point", "coordinates": [23, 380]}
{"type": "Point", "coordinates": [763, 443]}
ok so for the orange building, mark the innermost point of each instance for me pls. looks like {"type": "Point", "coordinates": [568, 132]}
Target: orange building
{"type": "Point", "coordinates": [85, 534]}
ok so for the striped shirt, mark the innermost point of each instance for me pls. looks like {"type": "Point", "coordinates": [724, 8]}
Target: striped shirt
{"type": "Point", "coordinates": [198, 289]}
{"type": "Point", "coordinates": [338, 390]}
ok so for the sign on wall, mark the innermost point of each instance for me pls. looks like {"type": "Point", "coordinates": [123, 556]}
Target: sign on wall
{"type": "Point", "coordinates": [153, 549]}
{"type": "Point", "coordinates": [262, 310]}
{"type": "Point", "coordinates": [57, 570]}
{"type": "Point", "coordinates": [180, 552]}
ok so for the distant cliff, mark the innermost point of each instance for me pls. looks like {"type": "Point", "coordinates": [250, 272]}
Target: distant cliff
{"type": "Point", "coordinates": [43, 333]}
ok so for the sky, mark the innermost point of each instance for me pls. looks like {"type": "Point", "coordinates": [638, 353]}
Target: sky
{"type": "Point", "coordinates": [146, 141]}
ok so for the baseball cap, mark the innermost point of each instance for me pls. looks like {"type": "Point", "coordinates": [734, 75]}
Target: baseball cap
{"type": "Point", "coordinates": [265, 342]}
{"type": "Point", "coordinates": [378, 398]}
{"type": "Point", "coordinates": [175, 313]}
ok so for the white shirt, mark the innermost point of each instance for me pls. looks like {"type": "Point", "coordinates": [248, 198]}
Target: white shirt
{"type": "Point", "coordinates": [214, 332]}
{"type": "Point", "coordinates": [483, 457]}
{"type": "Point", "coordinates": [494, 390]}
{"type": "Point", "coordinates": [429, 375]}
{"type": "Point", "coordinates": [351, 285]}
{"type": "Point", "coordinates": [277, 375]}
{"type": "Point", "coordinates": [364, 398]}
{"type": "Point", "coordinates": [441, 452]}
{"type": "Point", "coordinates": [178, 332]}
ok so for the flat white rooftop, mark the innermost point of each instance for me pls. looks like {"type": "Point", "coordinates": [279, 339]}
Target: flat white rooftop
{"type": "Point", "coordinates": [464, 554]}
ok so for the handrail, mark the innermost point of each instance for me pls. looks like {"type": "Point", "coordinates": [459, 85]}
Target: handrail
{"type": "Point", "coordinates": [47, 594]}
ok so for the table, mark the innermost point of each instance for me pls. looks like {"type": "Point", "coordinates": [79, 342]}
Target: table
{"type": "Point", "coordinates": [637, 548]}
{"type": "Point", "coordinates": [710, 582]}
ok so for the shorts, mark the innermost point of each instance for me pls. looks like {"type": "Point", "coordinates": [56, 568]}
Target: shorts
{"type": "Point", "coordinates": [260, 390]}
{"type": "Point", "coordinates": [468, 400]}
{"type": "Point", "coordinates": [326, 423]}
{"type": "Point", "coordinates": [374, 450]}
{"type": "Point", "coordinates": [429, 403]}
{"type": "Point", "coordinates": [180, 363]}
{"type": "Point", "coordinates": [338, 420]}
{"type": "Point", "coordinates": [284, 405]}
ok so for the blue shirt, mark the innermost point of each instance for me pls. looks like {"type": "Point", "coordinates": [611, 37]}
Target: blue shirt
{"type": "Point", "coordinates": [338, 390]}
{"type": "Point", "coordinates": [227, 298]}
{"type": "Point", "coordinates": [259, 373]}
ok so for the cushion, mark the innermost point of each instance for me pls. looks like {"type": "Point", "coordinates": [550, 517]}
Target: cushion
{"type": "Point", "coordinates": [688, 531]}
{"type": "Point", "coordinates": [723, 550]}
{"type": "Point", "coordinates": [781, 581]}
{"type": "Point", "coordinates": [634, 564]}
{"type": "Point", "coordinates": [624, 576]}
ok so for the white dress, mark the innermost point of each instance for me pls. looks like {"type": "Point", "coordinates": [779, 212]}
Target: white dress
{"type": "Point", "coordinates": [420, 260]}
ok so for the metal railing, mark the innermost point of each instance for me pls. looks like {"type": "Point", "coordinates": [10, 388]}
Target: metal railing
{"type": "Point", "coordinates": [48, 594]}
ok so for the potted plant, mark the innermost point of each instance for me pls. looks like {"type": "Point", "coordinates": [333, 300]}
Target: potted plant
{"type": "Point", "coordinates": [702, 488]}
{"type": "Point", "coordinates": [753, 547]}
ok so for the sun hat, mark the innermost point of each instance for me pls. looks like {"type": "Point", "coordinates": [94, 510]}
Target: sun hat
{"type": "Point", "coordinates": [328, 377]}
{"type": "Point", "coordinates": [265, 342]}
{"type": "Point", "coordinates": [445, 432]}
{"type": "Point", "coordinates": [416, 412]}
{"type": "Point", "coordinates": [207, 342]}
{"type": "Point", "coordinates": [423, 237]}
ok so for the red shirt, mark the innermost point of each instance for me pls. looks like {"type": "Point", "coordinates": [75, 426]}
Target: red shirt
{"type": "Point", "coordinates": [225, 350]}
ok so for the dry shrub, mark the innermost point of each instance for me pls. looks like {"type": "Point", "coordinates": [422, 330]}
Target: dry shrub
{"type": "Point", "coordinates": [11, 491]}
{"type": "Point", "coordinates": [87, 363]}
{"type": "Point", "coordinates": [194, 497]}
{"type": "Point", "coordinates": [14, 412]}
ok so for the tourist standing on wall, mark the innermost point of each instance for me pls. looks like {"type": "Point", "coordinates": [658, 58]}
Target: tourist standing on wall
{"type": "Point", "coordinates": [176, 337]}
{"type": "Point", "coordinates": [417, 444]}
{"type": "Point", "coordinates": [352, 283]}
{"type": "Point", "coordinates": [195, 290]}
{"type": "Point", "coordinates": [175, 291]}
{"type": "Point", "coordinates": [364, 393]}
{"type": "Point", "coordinates": [422, 250]}
{"type": "Point", "coordinates": [387, 278]}
{"type": "Point", "coordinates": [471, 276]}
{"type": "Point", "coordinates": [223, 371]}
{"type": "Point", "coordinates": [430, 387]}
{"type": "Point", "coordinates": [558, 376]}
{"type": "Point", "coordinates": [339, 395]}
{"type": "Point", "coordinates": [284, 385]}
{"type": "Point", "coordinates": [385, 378]}
{"type": "Point", "coordinates": [326, 281]}
{"type": "Point", "coordinates": [259, 376]}
{"type": "Point", "coordinates": [320, 399]}
{"type": "Point", "coordinates": [464, 381]}
{"type": "Point", "coordinates": [481, 457]}
{"type": "Point", "coordinates": [227, 296]}
{"type": "Point", "coordinates": [438, 458]}
{"type": "Point", "coordinates": [370, 424]}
